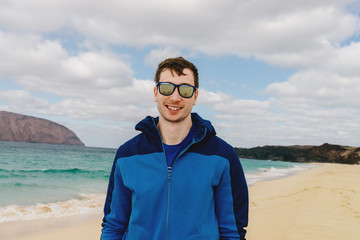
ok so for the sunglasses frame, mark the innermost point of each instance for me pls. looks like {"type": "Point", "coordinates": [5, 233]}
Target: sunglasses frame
{"type": "Point", "coordinates": [175, 86]}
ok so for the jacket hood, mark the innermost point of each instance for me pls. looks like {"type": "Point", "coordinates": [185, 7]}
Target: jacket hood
{"type": "Point", "coordinates": [149, 126]}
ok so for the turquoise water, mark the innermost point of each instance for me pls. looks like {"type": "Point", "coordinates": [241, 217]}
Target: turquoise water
{"type": "Point", "coordinates": [45, 180]}
{"type": "Point", "coordinates": [32, 173]}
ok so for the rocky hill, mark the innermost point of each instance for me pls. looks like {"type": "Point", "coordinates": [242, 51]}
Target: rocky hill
{"type": "Point", "coordinates": [21, 128]}
{"type": "Point", "coordinates": [324, 153]}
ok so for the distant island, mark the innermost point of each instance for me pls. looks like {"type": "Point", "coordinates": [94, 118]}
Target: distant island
{"type": "Point", "coordinates": [21, 128]}
{"type": "Point", "coordinates": [328, 153]}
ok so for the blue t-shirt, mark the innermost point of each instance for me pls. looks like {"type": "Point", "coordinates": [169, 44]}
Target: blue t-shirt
{"type": "Point", "coordinates": [172, 151]}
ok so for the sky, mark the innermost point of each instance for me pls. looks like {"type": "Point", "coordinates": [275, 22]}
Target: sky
{"type": "Point", "coordinates": [271, 72]}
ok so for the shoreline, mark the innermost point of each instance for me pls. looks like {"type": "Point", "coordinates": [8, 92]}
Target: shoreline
{"type": "Point", "coordinates": [318, 203]}
{"type": "Point", "coordinates": [277, 173]}
{"type": "Point", "coordinates": [16, 209]}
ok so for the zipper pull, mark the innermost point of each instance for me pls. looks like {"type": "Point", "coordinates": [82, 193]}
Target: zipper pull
{"type": "Point", "coordinates": [169, 173]}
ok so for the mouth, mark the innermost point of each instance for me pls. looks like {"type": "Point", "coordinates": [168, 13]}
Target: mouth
{"type": "Point", "coordinates": [173, 108]}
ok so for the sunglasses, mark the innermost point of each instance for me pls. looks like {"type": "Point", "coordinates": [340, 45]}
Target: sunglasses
{"type": "Point", "coordinates": [167, 88]}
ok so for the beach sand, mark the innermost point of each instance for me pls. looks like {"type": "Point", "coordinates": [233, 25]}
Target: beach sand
{"type": "Point", "coordinates": [318, 204]}
{"type": "Point", "coordinates": [322, 203]}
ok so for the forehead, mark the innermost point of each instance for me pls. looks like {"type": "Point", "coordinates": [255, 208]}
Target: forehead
{"type": "Point", "coordinates": [171, 76]}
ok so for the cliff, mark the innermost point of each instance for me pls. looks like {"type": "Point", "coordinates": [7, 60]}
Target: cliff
{"type": "Point", "coordinates": [21, 128]}
{"type": "Point", "coordinates": [324, 153]}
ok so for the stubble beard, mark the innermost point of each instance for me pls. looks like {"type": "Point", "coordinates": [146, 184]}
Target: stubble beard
{"type": "Point", "coordinates": [176, 119]}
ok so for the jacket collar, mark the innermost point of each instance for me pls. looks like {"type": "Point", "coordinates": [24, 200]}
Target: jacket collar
{"type": "Point", "coordinates": [202, 126]}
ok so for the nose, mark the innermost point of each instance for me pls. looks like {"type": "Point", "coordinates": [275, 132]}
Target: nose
{"type": "Point", "coordinates": [175, 96]}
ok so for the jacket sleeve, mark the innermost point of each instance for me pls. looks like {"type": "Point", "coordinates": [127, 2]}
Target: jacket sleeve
{"type": "Point", "coordinates": [239, 193]}
{"type": "Point", "coordinates": [117, 206]}
{"type": "Point", "coordinates": [224, 207]}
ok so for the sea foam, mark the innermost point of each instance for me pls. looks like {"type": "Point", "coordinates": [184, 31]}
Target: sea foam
{"type": "Point", "coordinates": [84, 204]}
{"type": "Point", "coordinates": [265, 174]}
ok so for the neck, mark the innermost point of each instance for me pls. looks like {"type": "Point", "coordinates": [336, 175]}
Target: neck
{"type": "Point", "coordinates": [173, 133]}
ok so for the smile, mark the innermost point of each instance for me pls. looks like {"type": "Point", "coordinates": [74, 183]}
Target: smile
{"type": "Point", "coordinates": [173, 108]}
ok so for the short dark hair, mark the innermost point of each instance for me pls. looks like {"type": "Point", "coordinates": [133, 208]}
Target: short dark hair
{"type": "Point", "coordinates": [177, 64]}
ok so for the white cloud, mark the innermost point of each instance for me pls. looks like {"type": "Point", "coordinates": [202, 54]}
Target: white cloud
{"type": "Point", "coordinates": [211, 98]}
{"type": "Point", "coordinates": [337, 59]}
{"type": "Point", "coordinates": [311, 107]}
{"type": "Point", "coordinates": [88, 110]}
{"type": "Point", "coordinates": [104, 135]}
{"type": "Point", "coordinates": [157, 55]}
{"type": "Point", "coordinates": [20, 100]}
{"type": "Point", "coordinates": [45, 65]}
{"type": "Point", "coordinates": [231, 26]}
{"type": "Point", "coordinates": [318, 103]}
{"type": "Point", "coordinates": [346, 61]}
{"type": "Point", "coordinates": [35, 15]}
{"type": "Point", "coordinates": [290, 34]}
{"type": "Point", "coordinates": [318, 88]}
{"type": "Point", "coordinates": [28, 54]}
{"type": "Point", "coordinates": [95, 85]}
{"type": "Point", "coordinates": [100, 69]}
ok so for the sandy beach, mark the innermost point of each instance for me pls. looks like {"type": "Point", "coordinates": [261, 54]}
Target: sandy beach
{"type": "Point", "coordinates": [318, 204]}
{"type": "Point", "coordinates": [322, 203]}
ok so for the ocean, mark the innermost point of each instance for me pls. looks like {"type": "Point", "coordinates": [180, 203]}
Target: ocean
{"type": "Point", "coordinates": [39, 181]}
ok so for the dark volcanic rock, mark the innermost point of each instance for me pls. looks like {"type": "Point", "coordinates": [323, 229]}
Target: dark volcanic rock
{"type": "Point", "coordinates": [21, 128]}
{"type": "Point", "coordinates": [325, 153]}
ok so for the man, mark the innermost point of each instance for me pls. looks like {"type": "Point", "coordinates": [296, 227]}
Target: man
{"type": "Point", "coordinates": [176, 180]}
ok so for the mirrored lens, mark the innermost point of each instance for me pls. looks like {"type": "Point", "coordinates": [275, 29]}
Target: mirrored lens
{"type": "Point", "coordinates": [186, 91]}
{"type": "Point", "coordinates": [166, 88]}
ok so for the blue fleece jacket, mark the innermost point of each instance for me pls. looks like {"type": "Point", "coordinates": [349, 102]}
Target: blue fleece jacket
{"type": "Point", "coordinates": [203, 197]}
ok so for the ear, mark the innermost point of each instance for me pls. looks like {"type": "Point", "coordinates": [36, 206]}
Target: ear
{"type": "Point", "coordinates": [196, 96]}
{"type": "Point", "coordinates": [155, 94]}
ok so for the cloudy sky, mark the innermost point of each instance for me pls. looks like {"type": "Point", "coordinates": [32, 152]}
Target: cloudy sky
{"type": "Point", "coordinates": [272, 72]}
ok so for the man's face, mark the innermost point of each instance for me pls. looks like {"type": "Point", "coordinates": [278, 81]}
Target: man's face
{"type": "Point", "coordinates": [175, 108]}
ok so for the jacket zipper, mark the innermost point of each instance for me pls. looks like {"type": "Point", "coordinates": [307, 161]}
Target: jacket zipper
{"type": "Point", "coordinates": [168, 187]}
{"type": "Point", "coordinates": [169, 176]}
{"type": "Point", "coordinates": [168, 204]}
{"type": "Point", "coordinates": [169, 179]}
